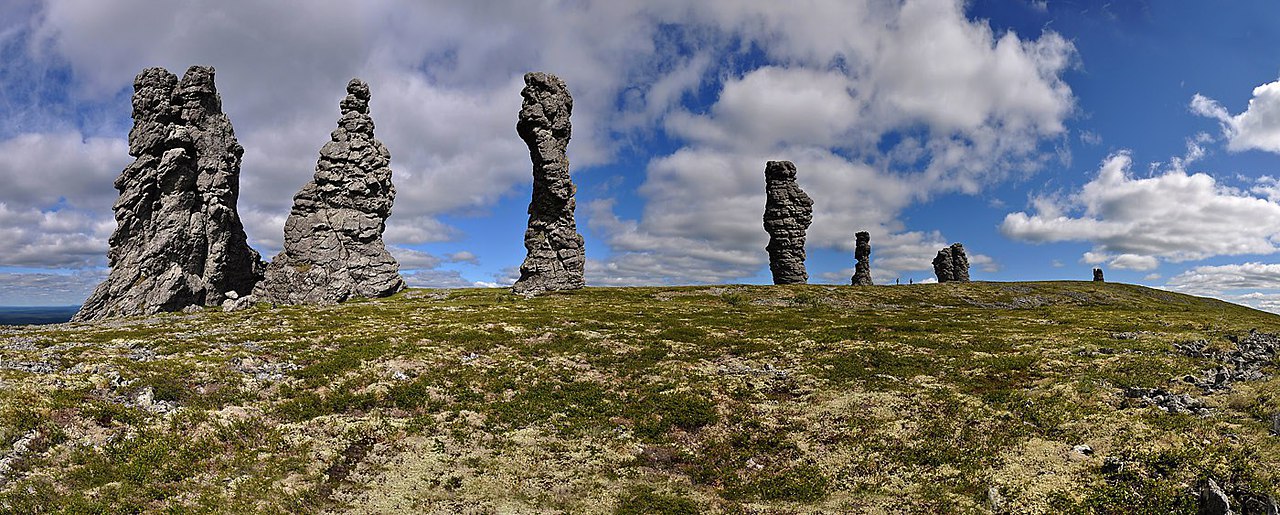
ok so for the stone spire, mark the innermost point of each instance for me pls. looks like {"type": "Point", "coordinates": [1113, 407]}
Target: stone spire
{"type": "Point", "coordinates": [179, 241]}
{"type": "Point", "coordinates": [788, 211]}
{"type": "Point", "coordinates": [951, 264]}
{"type": "Point", "coordinates": [862, 253]}
{"type": "Point", "coordinates": [1097, 275]}
{"type": "Point", "coordinates": [333, 248]}
{"type": "Point", "coordinates": [555, 257]}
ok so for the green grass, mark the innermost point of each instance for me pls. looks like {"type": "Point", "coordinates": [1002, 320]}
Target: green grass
{"type": "Point", "coordinates": [727, 399]}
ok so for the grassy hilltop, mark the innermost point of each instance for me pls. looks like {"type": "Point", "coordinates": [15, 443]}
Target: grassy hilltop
{"type": "Point", "coordinates": [733, 399]}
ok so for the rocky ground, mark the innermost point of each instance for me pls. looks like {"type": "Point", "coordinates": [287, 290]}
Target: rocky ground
{"type": "Point", "coordinates": [1006, 397]}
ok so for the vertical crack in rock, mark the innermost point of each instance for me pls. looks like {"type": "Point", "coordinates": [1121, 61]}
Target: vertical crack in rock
{"type": "Point", "coordinates": [333, 248]}
{"type": "Point", "coordinates": [1097, 275]}
{"type": "Point", "coordinates": [788, 211]}
{"type": "Point", "coordinates": [951, 264]}
{"type": "Point", "coordinates": [555, 256]}
{"type": "Point", "coordinates": [862, 253]}
{"type": "Point", "coordinates": [179, 241]}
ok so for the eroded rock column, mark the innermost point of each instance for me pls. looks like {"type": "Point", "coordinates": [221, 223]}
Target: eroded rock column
{"type": "Point", "coordinates": [788, 211]}
{"type": "Point", "coordinates": [951, 264]}
{"type": "Point", "coordinates": [555, 257]}
{"type": "Point", "coordinates": [1097, 275]}
{"type": "Point", "coordinates": [862, 253]}
{"type": "Point", "coordinates": [179, 241]}
{"type": "Point", "coordinates": [333, 248]}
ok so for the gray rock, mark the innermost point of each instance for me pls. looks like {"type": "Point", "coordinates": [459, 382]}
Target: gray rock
{"type": "Point", "coordinates": [862, 253]}
{"type": "Point", "coordinates": [239, 304]}
{"type": "Point", "coordinates": [555, 257]}
{"type": "Point", "coordinates": [951, 264]}
{"type": "Point", "coordinates": [179, 241]}
{"type": "Point", "coordinates": [333, 248]}
{"type": "Point", "coordinates": [788, 211]}
{"type": "Point", "coordinates": [1213, 501]}
{"type": "Point", "coordinates": [1275, 423]}
{"type": "Point", "coordinates": [995, 501]}
{"type": "Point", "coordinates": [1097, 275]}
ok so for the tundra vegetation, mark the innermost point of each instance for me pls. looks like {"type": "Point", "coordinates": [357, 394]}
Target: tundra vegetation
{"type": "Point", "coordinates": [733, 399]}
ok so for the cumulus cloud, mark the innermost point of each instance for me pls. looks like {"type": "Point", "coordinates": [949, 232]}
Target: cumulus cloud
{"type": "Point", "coordinates": [844, 78]}
{"type": "Point", "coordinates": [881, 104]}
{"type": "Point", "coordinates": [1136, 222]}
{"type": "Point", "coordinates": [48, 289]}
{"type": "Point", "coordinates": [1253, 284]}
{"type": "Point", "coordinates": [35, 238]}
{"type": "Point", "coordinates": [1257, 128]}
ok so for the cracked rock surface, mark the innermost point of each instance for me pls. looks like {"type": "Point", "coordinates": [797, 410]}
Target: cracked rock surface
{"type": "Point", "coordinates": [333, 248]}
{"type": "Point", "coordinates": [862, 253]}
{"type": "Point", "coordinates": [951, 264]}
{"type": "Point", "coordinates": [179, 241]}
{"type": "Point", "coordinates": [788, 211]}
{"type": "Point", "coordinates": [555, 257]}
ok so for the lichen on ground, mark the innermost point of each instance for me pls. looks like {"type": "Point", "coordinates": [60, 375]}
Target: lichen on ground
{"type": "Point", "coordinates": [729, 399]}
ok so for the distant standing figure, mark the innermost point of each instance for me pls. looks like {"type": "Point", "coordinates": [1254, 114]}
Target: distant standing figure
{"type": "Point", "coordinates": [1097, 275]}
{"type": "Point", "coordinates": [788, 211]}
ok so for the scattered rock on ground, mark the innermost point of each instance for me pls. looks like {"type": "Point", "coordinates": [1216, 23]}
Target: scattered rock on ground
{"type": "Point", "coordinates": [1213, 501]}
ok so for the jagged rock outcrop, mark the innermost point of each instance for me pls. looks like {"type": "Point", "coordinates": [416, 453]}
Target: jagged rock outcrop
{"type": "Point", "coordinates": [1097, 275]}
{"type": "Point", "coordinates": [555, 257]}
{"type": "Point", "coordinates": [788, 211]}
{"type": "Point", "coordinates": [179, 241]}
{"type": "Point", "coordinates": [862, 253]}
{"type": "Point", "coordinates": [951, 264]}
{"type": "Point", "coordinates": [333, 248]}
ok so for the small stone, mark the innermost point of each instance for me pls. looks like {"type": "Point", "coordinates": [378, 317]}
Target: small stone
{"type": "Point", "coordinates": [788, 211]}
{"type": "Point", "coordinates": [232, 295]}
{"type": "Point", "coordinates": [1275, 423]}
{"type": "Point", "coordinates": [995, 501]}
{"type": "Point", "coordinates": [1083, 449]}
{"type": "Point", "coordinates": [1213, 501]}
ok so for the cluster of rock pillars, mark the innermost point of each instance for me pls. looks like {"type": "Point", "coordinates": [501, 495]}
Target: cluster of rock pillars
{"type": "Point", "coordinates": [180, 244]}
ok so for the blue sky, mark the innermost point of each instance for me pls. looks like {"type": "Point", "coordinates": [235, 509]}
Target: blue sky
{"type": "Point", "coordinates": [1047, 136]}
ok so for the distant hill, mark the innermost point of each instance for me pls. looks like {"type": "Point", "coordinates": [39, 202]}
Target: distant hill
{"type": "Point", "coordinates": [1046, 397]}
{"type": "Point", "coordinates": [21, 315]}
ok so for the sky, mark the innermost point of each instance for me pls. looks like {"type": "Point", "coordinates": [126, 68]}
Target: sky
{"type": "Point", "coordinates": [1048, 136]}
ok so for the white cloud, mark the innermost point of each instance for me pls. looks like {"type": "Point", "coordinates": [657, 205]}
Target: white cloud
{"type": "Point", "coordinates": [66, 238]}
{"type": "Point", "coordinates": [1172, 216]}
{"type": "Point", "coordinates": [844, 76]}
{"type": "Point", "coordinates": [967, 106]}
{"type": "Point", "coordinates": [1222, 278]}
{"type": "Point", "coordinates": [48, 289]}
{"type": "Point", "coordinates": [1252, 284]}
{"type": "Point", "coordinates": [1257, 128]}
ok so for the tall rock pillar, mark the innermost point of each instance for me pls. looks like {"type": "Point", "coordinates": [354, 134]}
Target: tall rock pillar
{"type": "Point", "coordinates": [862, 253]}
{"type": "Point", "coordinates": [179, 241]}
{"type": "Point", "coordinates": [788, 211]}
{"type": "Point", "coordinates": [555, 257]}
{"type": "Point", "coordinates": [951, 264]}
{"type": "Point", "coordinates": [333, 248]}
